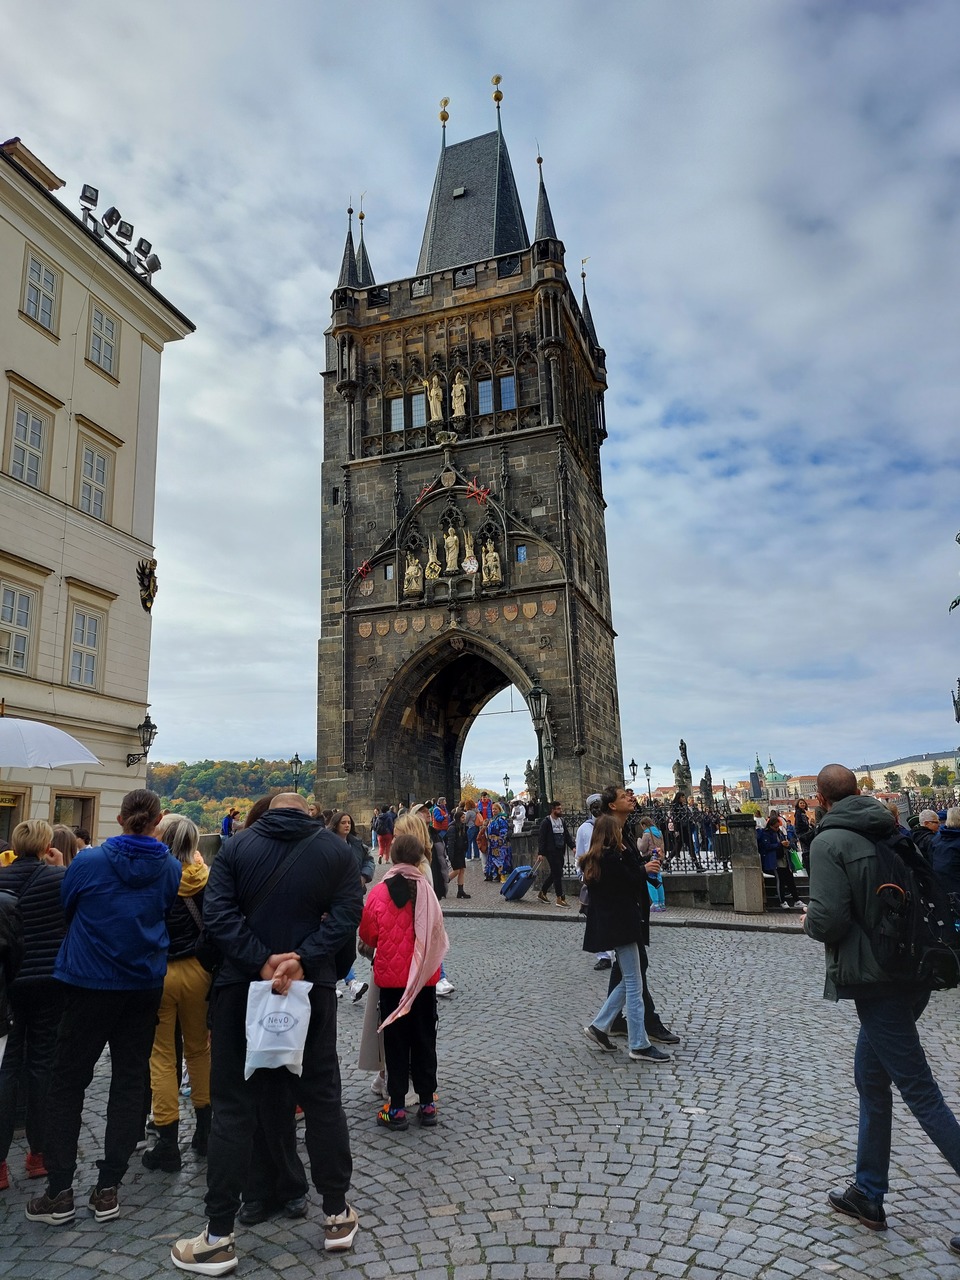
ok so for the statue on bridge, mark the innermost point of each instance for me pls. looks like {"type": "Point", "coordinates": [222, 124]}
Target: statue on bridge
{"type": "Point", "coordinates": [682, 775]}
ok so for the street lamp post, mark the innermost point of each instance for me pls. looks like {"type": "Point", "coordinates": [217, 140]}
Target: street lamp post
{"type": "Point", "coordinates": [296, 764]}
{"type": "Point", "coordinates": [506, 786]}
{"type": "Point", "coordinates": [549, 755]}
{"type": "Point", "coordinates": [632, 766]}
{"type": "Point", "coordinates": [647, 772]}
{"type": "Point", "coordinates": [537, 702]}
{"type": "Point", "coordinates": [146, 732]}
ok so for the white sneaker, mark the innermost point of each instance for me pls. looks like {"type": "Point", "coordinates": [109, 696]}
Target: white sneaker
{"type": "Point", "coordinates": [358, 989]}
{"type": "Point", "coordinates": [445, 987]}
{"type": "Point", "coordinates": [340, 988]}
{"type": "Point", "coordinates": [379, 1086]}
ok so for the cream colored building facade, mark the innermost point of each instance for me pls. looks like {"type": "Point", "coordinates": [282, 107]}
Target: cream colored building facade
{"type": "Point", "coordinates": [81, 336]}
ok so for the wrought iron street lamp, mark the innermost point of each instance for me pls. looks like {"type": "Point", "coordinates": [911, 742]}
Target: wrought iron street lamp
{"type": "Point", "coordinates": [146, 731]}
{"type": "Point", "coordinates": [506, 786]}
{"type": "Point", "coordinates": [647, 772]}
{"type": "Point", "coordinates": [296, 764]}
{"type": "Point", "coordinates": [632, 766]}
{"type": "Point", "coordinates": [537, 703]}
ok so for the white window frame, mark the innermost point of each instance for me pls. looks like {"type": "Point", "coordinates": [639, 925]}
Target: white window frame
{"type": "Point", "coordinates": [85, 656]}
{"type": "Point", "coordinates": [12, 595]}
{"type": "Point", "coordinates": [23, 449]}
{"type": "Point", "coordinates": [103, 340]}
{"type": "Point", "coordinates": [41, 292]}
{"type": "Point", "coordinates": [93, 489]}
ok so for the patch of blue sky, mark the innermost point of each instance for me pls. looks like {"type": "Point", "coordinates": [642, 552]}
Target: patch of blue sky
{"type": "Point", "coordinates": [842, 667]}
{"type": "Point", "coordinates": [680, 413]}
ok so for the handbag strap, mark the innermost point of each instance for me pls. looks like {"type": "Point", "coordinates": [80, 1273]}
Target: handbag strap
{"type": "Point", "coordinates": [279, 872]}
{"type": "Point", "coordinates": [29, 880]}
{"type": "Point", "coordinates": [195, 915]}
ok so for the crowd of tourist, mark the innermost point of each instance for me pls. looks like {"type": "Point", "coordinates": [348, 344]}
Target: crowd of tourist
{"type": "Point", "coordinates": [137, 945]}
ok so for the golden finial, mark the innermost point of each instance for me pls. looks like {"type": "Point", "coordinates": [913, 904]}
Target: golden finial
{"type": "Point", "coordinates": [360, 214]}
{"type": "Point", "coordinates": [444, 114]}
{"type": "Point", "coordinates": [497, 95]}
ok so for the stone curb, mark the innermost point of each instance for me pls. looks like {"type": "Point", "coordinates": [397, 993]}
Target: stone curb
{"type": "Point", "coordinates": [737, 926]}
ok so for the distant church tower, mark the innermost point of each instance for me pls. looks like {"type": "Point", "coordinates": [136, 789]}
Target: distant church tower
{"type": "Point", "coordinates": [463, 541]}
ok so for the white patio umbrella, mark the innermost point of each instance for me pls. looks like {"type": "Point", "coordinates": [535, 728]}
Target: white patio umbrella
{"type": "Point", "coordinates": [31, 744]}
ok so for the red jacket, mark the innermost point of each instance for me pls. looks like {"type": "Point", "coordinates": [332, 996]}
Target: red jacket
{"type": "Point", "coordinates": [389, 929]}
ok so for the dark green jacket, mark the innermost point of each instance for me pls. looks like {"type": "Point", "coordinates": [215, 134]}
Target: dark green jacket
{"type": "Point", "coordinates": [842, 894]}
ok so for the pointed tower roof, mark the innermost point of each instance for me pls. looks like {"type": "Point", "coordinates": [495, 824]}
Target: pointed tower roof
{"type": "Point", "coordinates": [585, 309]}
{"type": "Point", "coordinates": [474, 210]}
{"type": "Point", "coordinates": [349, 278]}
{"type": "Point", "coordinates": [364, 270]}
{"type": "Point", "coordinates": [545, 230]}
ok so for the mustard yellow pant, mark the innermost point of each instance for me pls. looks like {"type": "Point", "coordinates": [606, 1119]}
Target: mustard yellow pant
{"type": "Point", "coordinates": [185, 997]}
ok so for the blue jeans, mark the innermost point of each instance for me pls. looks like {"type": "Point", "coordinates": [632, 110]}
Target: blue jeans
{"type": "Point", "coordinates": [626, 997]}
{"type": "Point", "coordinates": [889, 1050]}
{"type": "Point", "coordinates": [472, 849]}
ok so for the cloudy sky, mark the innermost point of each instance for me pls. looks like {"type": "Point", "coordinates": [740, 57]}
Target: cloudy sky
{"type": "Point", "coordinates": [768, 195]}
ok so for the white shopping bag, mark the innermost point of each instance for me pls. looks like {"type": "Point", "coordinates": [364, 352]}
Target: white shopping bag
{"type": "Point", "coordinates": [277, 1027]}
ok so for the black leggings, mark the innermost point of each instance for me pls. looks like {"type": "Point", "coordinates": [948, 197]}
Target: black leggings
{"type": "Point", "coordinates": [410, 1045]}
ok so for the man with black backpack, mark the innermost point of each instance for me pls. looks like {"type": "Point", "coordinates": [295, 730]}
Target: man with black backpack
{"type": "Point", "coordinates": [851, 879]}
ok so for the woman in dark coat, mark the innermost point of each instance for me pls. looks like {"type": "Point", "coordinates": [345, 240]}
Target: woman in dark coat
{"type": "Point", "coordinates": [618, 920]}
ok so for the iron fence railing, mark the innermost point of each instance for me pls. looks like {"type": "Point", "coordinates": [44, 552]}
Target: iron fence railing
{"type": "Point", "coordinates": [692, 839]}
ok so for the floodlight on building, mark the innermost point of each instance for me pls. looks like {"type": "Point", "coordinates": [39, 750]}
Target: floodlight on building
{"type": "Point", "coordinates": [125, 231]}
{"type": "Point", "coordinates": [143, 247]}
{"type": "Point", "coordinates": [111, 217]}
{"type": "Point", "coordinates": [152, 264]}
{"type": "Point", "coordinates": [89, 196]}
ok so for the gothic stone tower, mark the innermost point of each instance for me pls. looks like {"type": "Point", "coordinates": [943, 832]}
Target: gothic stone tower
{"type": "Point", "coordinates": [463, 542]}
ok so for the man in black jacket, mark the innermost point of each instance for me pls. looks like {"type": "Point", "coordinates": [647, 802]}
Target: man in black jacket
{"type": "Point", "coordinates": [276, 926]}
{"type": "Point", "coordinates": [553, 841]}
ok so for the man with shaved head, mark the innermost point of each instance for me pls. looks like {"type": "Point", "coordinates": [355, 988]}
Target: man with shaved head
{"type": "Point", "coordinates": [282, 899]}
{"type": "Point", "coordinates": [843, 914]}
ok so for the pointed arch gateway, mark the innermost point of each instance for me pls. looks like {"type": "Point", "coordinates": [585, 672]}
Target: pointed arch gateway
{"type": "Point", "coordinates": [425, 713]}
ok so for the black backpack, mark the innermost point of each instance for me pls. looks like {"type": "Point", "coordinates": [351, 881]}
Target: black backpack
{"type": "Point", "coordinates": [917, 937]}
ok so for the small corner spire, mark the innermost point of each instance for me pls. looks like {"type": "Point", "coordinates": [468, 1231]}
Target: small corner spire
{"type": "Point", "coordinates": [544, 229]}
{"type": "Point", "coordinates": [585, 305]}
{"type": "Point", "coordinates": [348, 267]}
{"type": "Point", "coordinates": [364, 270]}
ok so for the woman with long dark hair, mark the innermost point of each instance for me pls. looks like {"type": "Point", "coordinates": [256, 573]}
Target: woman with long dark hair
{"type": "Point", "coordinates": [619, 903]}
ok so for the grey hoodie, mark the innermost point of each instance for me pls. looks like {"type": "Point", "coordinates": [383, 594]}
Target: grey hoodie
{"type": "Point", "coordinates": [842, 895]}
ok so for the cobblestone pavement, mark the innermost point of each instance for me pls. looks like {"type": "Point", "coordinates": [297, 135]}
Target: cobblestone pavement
{"type": "Point", "coordinates": [552, 1160]}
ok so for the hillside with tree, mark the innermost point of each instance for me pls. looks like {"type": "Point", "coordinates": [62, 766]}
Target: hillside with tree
{"type": "Point", "coordinates": [205, 790]}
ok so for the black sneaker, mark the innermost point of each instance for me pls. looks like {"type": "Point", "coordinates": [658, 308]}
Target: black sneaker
{"type": "Point", "coordinates": [603, 962]}
{"type": "Point", "coordinates": [52, 1209]}
{"type": "Point", "coordinates": [661, 1035]}
{"type": "Point", "coordinates": [295, 1208]}
{"type": "Point", "coordinates": [650, 1054]}
{"type": "Point", "coordinates": [619, 1027]}
{"type": "Point", "coordinates": [869, 1213]}
{"type": "Point", "coordinates": [253, 1212]}
{"type": "Point", "coordinates": [599, 1039]}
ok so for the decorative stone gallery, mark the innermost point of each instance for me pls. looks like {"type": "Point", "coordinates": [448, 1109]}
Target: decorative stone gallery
{"type": "Point", "coordinates": [463, 544]}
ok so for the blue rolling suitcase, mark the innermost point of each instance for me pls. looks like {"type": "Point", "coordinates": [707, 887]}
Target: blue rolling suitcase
{"type": "Point", "coordinates": [517, 883]}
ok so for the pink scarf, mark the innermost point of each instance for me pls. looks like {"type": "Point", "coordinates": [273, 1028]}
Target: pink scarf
{"type": "Point", "coordinates": [430, 941]}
